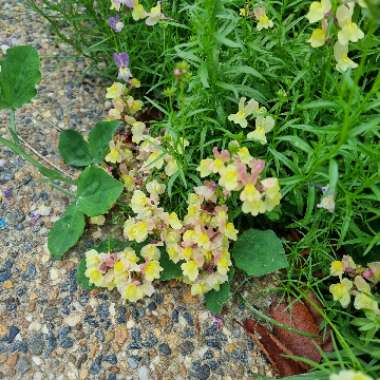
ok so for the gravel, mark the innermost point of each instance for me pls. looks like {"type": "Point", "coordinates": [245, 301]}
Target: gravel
{"type": "Point", "coordinates": [51, 329]}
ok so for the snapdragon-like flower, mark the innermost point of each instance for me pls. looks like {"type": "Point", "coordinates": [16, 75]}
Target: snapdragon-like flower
{"type": "Point", "coordinates": [328, 200]}
{"type": "Point", "coordinates": [155, 15]}
{"type": "Point", "coordinates": [122, 62]}
{"type": "Point", "coordinates": [350, 32]}
{"type": "Point", "coordinates": [245, 110]}
{"type": "Point", "coordinates": [318, 10]}
{"type": "Point", "coordinates": [117, 90]}
{"type": "Point", "coordinates": [241, 172]}
{"type": "Point", "coordinates": [116, 24]}
{"type": "Point", "coordinates": [344, 63]}
{"type": "Point", "coordinates": [125, 271]}
{"type": "Point", "coordinates": [264, 124]}
{"type": "Point", "coordinates": [139, 12]}
{"type": "Point", "coordinates": [350, 374]}
{"type": "Point", "coordinates": [263, 21]}
{"type": "Point", "coordinates": [341, 292]}
{"type": "Point", "coordinates": [318, 38]}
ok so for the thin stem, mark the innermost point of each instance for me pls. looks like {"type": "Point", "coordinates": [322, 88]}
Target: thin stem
{"type": "Point", "coordinates": [12, 126]}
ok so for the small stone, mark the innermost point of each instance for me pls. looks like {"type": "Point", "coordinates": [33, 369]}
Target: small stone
{"type": "Point", "coordinates": [64, 331]}
{"type": "Point", "coordinates": [121, 334]}
{"type": "Point", "coordinates": [12, 360]}
{"type": "Point", "coordinates": [12, 333]}
{"type": "Point", "coordinates": [67, 343]}
{"type": "Point", "coordinates": [83, 374]}
{"type": "Point", "coordinates": [72, 319]}
{"type": "Point", "coordinates": [201, 372]}
{"type": "Point", "coordinates": [5, 275]}
{"type": "Point", "coordinates": [143, 373]}
{"type": "Point", "coordinates": [36, 344]}
{"type": "Point", "coordinates": [164, 349]}
{"type": "Point", "coordinates": [102, 311]}
{"type": "Point", "coordinates": [22, 366]}
{"type": "Point", "coordinates": [110, 359]}
{"type": "Point", "coordinates": [186, 347]}
{"type": "Point", "coordinates": [96, 365]}
{"type": "Point", "coordinates": [8, 284]}
{"type": "Point", "coordinates": [132, 363]}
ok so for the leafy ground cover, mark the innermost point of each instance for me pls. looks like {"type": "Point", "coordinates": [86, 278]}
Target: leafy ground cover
{"type": "Point", "coordinates": [239, 135]}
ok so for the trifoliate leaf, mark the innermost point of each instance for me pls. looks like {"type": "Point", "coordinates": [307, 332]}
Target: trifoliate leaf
{"type": "Point", "coordinates": [74, 149]}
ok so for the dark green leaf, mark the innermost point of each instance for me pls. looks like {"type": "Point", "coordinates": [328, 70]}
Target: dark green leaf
{"type": "Point", "coordinates": [74, 149]}
{"type": "Point", "coordinates": [97, 191]}
{"type": "Point", "coordinates": [111, 245]}
{"type": "Point", "coordinates": [19, 75]}
{"type": "Point", "coordinates": [216, 299]}
{"type": "Point", "coordinates": [66, 232]}
{"type": "Point", "coordinates": [258, 252]}
{"type": "Point", "coordinates": [82, 279]}
{"type": "Point", "coordinates": [171, 271]}
{"type": "Point", "coordinates": [100, 137]}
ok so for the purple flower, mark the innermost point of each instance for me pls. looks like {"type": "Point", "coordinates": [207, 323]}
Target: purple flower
{"type": "Point", "coordinates": [129, 3]}
{"type": "Point", "coordinates": [115, 24]}
{"type": "Point", "coordinates": [122, 61]}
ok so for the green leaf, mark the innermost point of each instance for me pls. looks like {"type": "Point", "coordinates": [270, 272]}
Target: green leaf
{"type": "Point", "coordinates": [258, 252]}
{"type": "Point", "coordinates": [111, 245]}
{"type": "Point", "coordinates": [19, 75]}
{"type": "Point", "coordinates": [100, 137]}
{"type": "Point", "coordinates": [171, 271]}
{"type": "Point", "coordinates": [97, 191]}
{"type": "Point", "coordinates": [66, 232]}
{"type": "Point", "coordinates": [82, 279]}
{"type": "Point", "coordinates": [216, 299]}
{"type": "Point", "coordinates": [74, 149]}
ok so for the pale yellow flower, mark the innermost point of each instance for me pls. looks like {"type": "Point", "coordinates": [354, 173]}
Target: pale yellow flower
{"type": "Point", "coordinates": [229, 178]}
{"type": "Point", "coordinates": [152, 270]}
{"type": "Point", "coordinates": [341, 292]}
{"type": "Point", "coordinates": [264, 124]}
{"type": "Point", "coordinates": [174, 221]}
{"type": "Point", "coordinates": [343, 62]}
{"type": "Point", "coordinates": [138, 129]}
{"type": "Point", "coordinates": [318, 38]}
{"type": "Point", "coordinates": [155, 15]}
{"type": "Point", "coordinates": [263, 21]}
{"type": "Point", "coordinates": [115, 91]}
{"type": "Point", "coordinates": [349, 374]}
{"type": "Point", "coordinates": [190, 270]}
{"type": "Point", "coordinates": [132, 292]}
{"type": "Point", "coordinates": [318, 10]}
{"type": "Point", "coordinates": [138, 12]}
{"type": "Point", "coordinates": [349, 30]}
{"type": "Point", "coordinates": [244, 111]}
{"type": "Point", "coordinates": [336, 268]}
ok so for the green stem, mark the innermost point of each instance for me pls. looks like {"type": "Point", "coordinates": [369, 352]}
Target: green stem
{"type": "Point", "coordinates": [52, 174]}
{"type": "Point", "coordinates": [12, 126]}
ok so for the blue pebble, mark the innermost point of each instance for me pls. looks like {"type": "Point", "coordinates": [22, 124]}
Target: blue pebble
{"type": "Point", "coordinates": [5, 275]}
{"type": "Point", "coordinates": [67, 301]}
{"type": "Point", "coordinates": [64, 331]}
{"type": "Point", "coordinates": [90, 319]}
{"type": "Point", "coordinates": [121, 315]}
{"type": "Point", "coordinates": [134, 346]}
{"type": "Point", "coordinates": [12, 333]}
{"type": "Point", "coordinates": [188, 333]}
{"type": "Point", "coordinates": [152, 306]}
{"type": "Point", "coordinates": [100, 335]}
{"type": "Point", "coordinates": [73, 281]}
{"type": "Point", "coordinates": [110, 359]}
{"type": "Point", "coordinates": [20, 346]}
{"type": "Point", "coordinates": [3, 224]}
{"type": "Point", "coordinates": [102, 311]}
{"type": "Point", "coordinates": [67, 343]}
{"type": "Point", "coordinates": [214, 344]}
{"type": "Point", "coordinates": [151, 341]}
{"type": "Point", "coordinates": [83, 299]}
{"type": "Point", "coordinates": [8, 264]}
{"type": "Point", "coordinates": [136, 334]}
{"type": "Point", "coordinates": [175, 315]}
{"type": "Point", "coordinates": [112, 376]}
{"type": "Point", "coordinates": [51, 343]}
{"type": "Point", "coordinates": [30, 273]}
{"type": "Point", "coordinates": [208, 355]}
{"type": "Point", "coordinates": [189, 318]}
{"type": "Point", "coordinates": [213, 364]}
{"type": "Point", "coordinates": [158, 298]}
{"type": "Point", "coordinates": [96, 365]}
{"type": "Point", "coordinates": [20, 291]}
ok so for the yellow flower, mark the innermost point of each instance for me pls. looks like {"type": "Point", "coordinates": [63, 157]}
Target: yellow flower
{"type": "Point", "coordinates": [272, 193]}
{"type": "Point", "coordinates": [139, 201]}
{"type": "Point", "coordinates": [229, 178]}
{"type": "Point", "coordinates": [155, 15]}
{"type": "Point", "coordinates": [174, 221]}
{"type": "Point", "coordinates": [336, 268]}
{"type": "Point", "coordinates": [366, 302]}
{"type": "Point", "coordinates": [187, 253]}
{"type": "Point", "coordinates": [136, 231]}
{"type": "Point", "coordinates": [152, 270]}
{"type": "Point", "coordinates": [94, 275]}
{"type": "Point", "coordinates": [171, 166]}
{"type": "Point", "coordinates": [150, 252]}
{"type": "Point", "coordinates": [138, 12]}
{"type": "Point", "coordinates": [201, 238]}
{"type": "Point", "coordinates": [244, 155]}
{"type": "Point", "coordinates": [205, 167]}
{"type": "Point", "coordinates": [198, 289]}
{"type": "Point", "coordinates": [349, 30]}
{"type": "Point", "coordinates": [115, 155]}
{"type": "Point", "coordinates": [343, 62]}
{"type": "Point", "coordinates": [190, 270]}
{"type": "Point", "coordinates": [231, 232]}
{"type": "Point", "coordinates": [244, 111]}
{"type": "Point", "coordinates": [174, 253]}
{"type": "Point", "coordinates": [223, 263]}
{"type": "Point", "coordinates": [98, 220]}
{"type": "Point", "coordinates": [341, 292]}
{"type": "Point", "coordinates": [254, 207]}
{"type": "Point", "coordinates": [250, 193]}
{"type": "Point", "coordinates": [349, 374]}
{"type": "Point", "coordinates": [318, 10]}
{"type": "Point", "coordinates": [263, 21]}
{"type": "Point", "coordinates": [133, 105]}
{"type": "Point", "coordinates": [135, 83]}
{"type": "Point", "coordinates": [115, 91]}
{"type": "Point", "coordinates": [138, 129]}
{"type": "Point", "coordinates": [92, 258]}
{"type": "Point", "coordinates": [155, 188]}
{"type": "Point", "coordinates": [132, 292]}
{"type": "Point", "coordinates": [318, 38]}
{"type": "Point", "coordinates": [264, 124]}
{"type": "Point", "coordinates": [155, 160]}
{"type": "Point", "coordinates": [244, 12]}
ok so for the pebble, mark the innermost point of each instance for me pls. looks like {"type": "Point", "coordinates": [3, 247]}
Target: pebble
{"type": "Point", "coordinates": [36, 344]}
{"type": "Point", "coordinates": [22, 366]}
{"type": "Point", "coordinates": [164, 349]}
{"type": "Point", "coordinates": [143, 373]}
{"type": "Point", "coordinates": [187, 347]}
{"type": "Point", "coordinates": [132, 363]}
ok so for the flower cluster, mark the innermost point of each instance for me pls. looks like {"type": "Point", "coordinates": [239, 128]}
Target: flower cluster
{"type": "Point", "coordinates": [241, 172]}
{"type": "Point", "coordinates": [349, 31]}
{"type": "Point", "coordinates": [264, 123]}
{"type": "Point", "coordinates": [201, 241]}
{"type": "Point", "coordinates": [357, 283]}
{"type": "Point", "coordinates": [260, 15]}
{"type": "Point", "coordinates": [152, 17]}
{"type": "Point", "coordinates": [130, 273]}
{"type": "Point", "coordinates": [349, 374]}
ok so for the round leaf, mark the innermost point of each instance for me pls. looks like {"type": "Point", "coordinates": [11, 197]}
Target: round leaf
{"type": "Point", "coordinates": [258, 252]}
{"type": "Point", "coordinates": [97, 191]}
{"type": "Point", "coordinates": [74, 149]}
